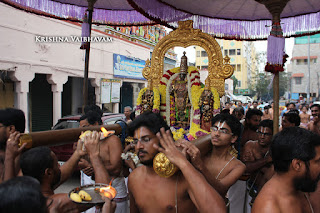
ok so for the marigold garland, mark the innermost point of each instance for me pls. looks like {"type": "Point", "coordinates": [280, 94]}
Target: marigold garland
{"type": "Point", "coordinates": [156, 100]}
{"type": "Point", "coordinates": [142, 91]}
{"type": "Point", "coordinates": [178, 133]}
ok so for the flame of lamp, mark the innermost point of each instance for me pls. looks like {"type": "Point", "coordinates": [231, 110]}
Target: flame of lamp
{"type": "Point", "coordinates": [108, 192]}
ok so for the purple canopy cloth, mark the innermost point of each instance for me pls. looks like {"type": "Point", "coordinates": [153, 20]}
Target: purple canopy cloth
{"type": "Point", "coordinates": [228, 19]}
{"type": "Point", "coordinates": [235, 19]}
{"type": "Point", "coordinates": [116, 12]}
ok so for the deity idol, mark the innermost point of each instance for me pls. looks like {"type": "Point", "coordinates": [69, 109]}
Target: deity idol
{"type": "Point", "coordinates": [147, 101]}
{"type": "Point", "coordinates": [180, 95]}
{"type": "Point", "coordinates": [206, 105]}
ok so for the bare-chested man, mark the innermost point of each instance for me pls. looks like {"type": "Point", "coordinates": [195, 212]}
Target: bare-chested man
{"type": "Point", "coordinates": [271, 110]}
{"type": "Point", "coordinates": [290, 119]}
{"type": "Point", "coordinates": [42, 164]}
{"type": "Point", "coordinates": [304, 116]}
{"type": "Point", "coordinates": [257, 157]}
{"type": "Point", "coordinates": [314, 125]}
{"type": "Point", "coordinates": [255, 105]}
{"type": "Point", "coordinates": [219, 167]}
{"type": "Point", "coordinates": [12, 121]}
{"type": "Point", "coordinates": [184, 192]}
{"type": "Point", "coordinates": [253, 118]}
{"type": "Point", "coordinates": [266, 115]}
{"type": "Point", "coordinates": [110, 154]}
{"type": "Point", "coordinates": [296, 158]}
{"type": "Point", "coordinates": [238, 113]}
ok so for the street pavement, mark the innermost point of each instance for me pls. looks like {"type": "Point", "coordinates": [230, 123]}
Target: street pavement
{"type": "Point", "coordinates": [72, 183]}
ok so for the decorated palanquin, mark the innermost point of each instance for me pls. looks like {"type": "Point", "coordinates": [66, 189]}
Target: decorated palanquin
{"type": "Point", "coordinates": [177, 94]}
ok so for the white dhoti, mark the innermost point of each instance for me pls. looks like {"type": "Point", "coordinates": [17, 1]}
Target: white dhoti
{"type": "Point", "coordinates": [236, 196]}
{"type": "Point", "coordinates": [122, 198]}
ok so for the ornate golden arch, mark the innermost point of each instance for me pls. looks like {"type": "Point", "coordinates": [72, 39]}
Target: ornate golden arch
{"type": "Point", "coordinates": [219, 69]}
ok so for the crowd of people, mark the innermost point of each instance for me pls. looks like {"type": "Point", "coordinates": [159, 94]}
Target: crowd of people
{"type": "Point", "coordinates": [245, 169]}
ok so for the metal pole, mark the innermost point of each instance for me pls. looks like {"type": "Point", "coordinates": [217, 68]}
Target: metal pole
{"type": "Point", "coordinates": [291, 87]}
{"type": "Point", "coordinates": [86, 69]}
{"type": "Point", "coordinates": [308, 92]}
{"type": "Point", "coordinates": [318, 85]}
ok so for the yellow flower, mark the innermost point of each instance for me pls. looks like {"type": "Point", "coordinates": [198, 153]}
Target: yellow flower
{"type": "Point", "coordinates": [162, 90]}
{"type": "Point", "coordinates": [142, 91]}
{"type": "Point", "coordinates": [195, 96]}
{"type": "Point", "coordinates": [216, 98]}
{"type": "Point", "coordinates": [196, 128]}
{"type": "Point", "coordinates": [178, 134]}
{"type": "Point", "coordinates": [181, 130]}
{"type": "Point", "coordinates": [156, 99]}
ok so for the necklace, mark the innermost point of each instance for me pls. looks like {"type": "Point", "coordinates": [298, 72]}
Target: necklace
{"type": "Point", "coordinates": [311, 208]}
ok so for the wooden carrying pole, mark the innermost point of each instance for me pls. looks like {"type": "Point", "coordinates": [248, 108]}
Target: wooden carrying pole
{"type": "Point", "coordinates": [59, 137]}
{"type": "Point", "coordinates": [203, 144]}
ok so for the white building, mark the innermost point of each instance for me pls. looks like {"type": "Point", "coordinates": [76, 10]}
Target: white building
{"type": "Point", "coordinates": [300, 71]}
{"type": "Point", "coordinates": [44, 79]}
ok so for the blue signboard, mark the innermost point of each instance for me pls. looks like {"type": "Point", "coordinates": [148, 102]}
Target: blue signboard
{"type": "Point", "coordinates": [127, 67]}
{"type": "Point", "coordinates": [295, 96]}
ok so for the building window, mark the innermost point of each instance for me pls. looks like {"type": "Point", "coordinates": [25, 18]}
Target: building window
{"type": "Point", "coordinates": [198, 53]}
{"type": "Point", "coordinates": [239, 84]}
{"type": "Point", "coordinates": [298, 80]}
{"type": "Point", "coordinates": [238, 67]}
{"type": "Point", "coordinates": [238, 51]}
{"type": "Point", "coordinates": [198, 67]}
{"type": "Point", "coordinates": [204, 67]}
{"type": "Point", "coordinates": [225, 52]}
{"type": "Point", "coordinates": [305, 61]}
{"type": "Point", "coordinates": [302, 61]}
{"type": "Point", "coordinates": [232, 52]}
{"type": "Point", "coordinates": [234, 66]}
{"type": "Point", "coordinates": [298, 61]}
{"type": "Point", "coordinates": [204, 54]}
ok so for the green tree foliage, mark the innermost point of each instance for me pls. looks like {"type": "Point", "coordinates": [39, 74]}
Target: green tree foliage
{"type": "Point", "coordinates": [260, 85]}
{"type": "Point", "coordinates": [235, 82]}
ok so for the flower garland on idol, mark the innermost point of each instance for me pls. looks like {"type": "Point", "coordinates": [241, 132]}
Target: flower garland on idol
{"type": "Point", "coordinates": [167, 107]}
{"type": "Point", "coordinates": [156, 101]}
{"type": "Point", "coordinates": [195, 130]}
